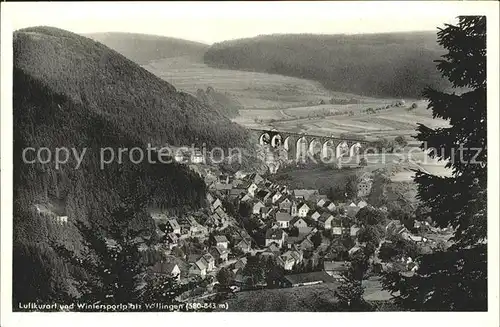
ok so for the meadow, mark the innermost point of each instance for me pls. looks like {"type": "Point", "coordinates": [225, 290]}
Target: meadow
{"type": "Point", "coordinates": [295, 104]}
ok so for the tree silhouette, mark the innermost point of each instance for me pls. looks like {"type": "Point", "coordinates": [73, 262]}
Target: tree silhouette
{"type": "Point", "coordinates": [455, 279]}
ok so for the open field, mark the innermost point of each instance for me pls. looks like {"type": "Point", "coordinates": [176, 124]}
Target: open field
{"type": "Point", "coordinates": [252, 90]}
{"type": "Point", "coordinates": [306, 298]}
{"type": "Point", "coordinates": [384, 123]}
{"type": "Point", "coordinates": [293, 104]}
{"type": "Point", "coordinates": [319, 177]}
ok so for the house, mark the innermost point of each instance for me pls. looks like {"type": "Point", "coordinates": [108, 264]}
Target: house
{"type": "Point", "coordinates": [321, 202]}
{"type": "Point", "coordinates": [336, 269]}
{"type": "Point", "coordinates": [167, 268]}
{"type": "Point", "coordinates": [172, 226]}
{"type": "Point", "coordinates": [305, 194]}
{"type": "Point", "coordinates": [237, 192]}
{"type": "Point", "coordinates": [315, 216]}
{"type": "Point", "coordinates": [364, 187]}
{"type": "Point", "coordinates": [414, 238]}
{"type": "Point", "coordinates": [221, 241]}
{"type": "Point", "coordinates": [285, 204]}
{"type": "Point", "coordinates": [257, 207]}
{"type": "Point", "coordinates": [275, 196]}
{"type": "Point", "coordinates": [264, 212]}
{"type": "Point", "coordinates": [393, 226]}
{"type": "Point", "coordinates": [221, 213]}
{"type": "Point", "coordinates": [172, 240]}
{"type": "Point", "coordinates": [306, 245]}
{"type": "Point", "coordinates": [197, 157]}
{"type": "Point", "coordinates": [353, 230]}
{"type": "Point", "coordinates": [198, 269]}
{"type": "Point", "coordinates": [195, 229]}
{"type": "Point", "coordinates": [289, 259]}
{"type": "Point", "coordinates": [299, 223]}
{"type": "Point", "coordinates": [255, 178]}
{"type": "Point", "coordinates": [222, 188]}
{"type": "Point", "coordinates": [216, 204]}
{"type": "Point", "coordinates": [283, 219]}
{"type": "Point", "coordinates": [286, 261]}
{"type": "Point", "coordinates": [303, 209]}
{"type": "Point", "coordinates": [276, 236]}
{"type": "Point", "coordinates": [263, 195]}
{"type": "Point", "coordinates": [219, 253]}
{"type": "Point", "coordinates": [247, 197]}
{"type": "Point", "coordinates": [271, 250]}
{"type": "Point", "coordinates": [252, 188]}
{"type": "Point", "coordinates": [224, 179]}
{"type": "Point", "coordinates": [244, 245]}
{"type": "Point", "coordinates": [210, 198]}
{"type": "Point", "coordinates": [306, 279]}
{"type": "Point", "coordinates": [329, 205]}
{"type": "Point", "coordinates": [325, 221]}
{"type": "Point", "coordinates": [362, 204]}
{"type": "Point", "coordinates": [214, 220]}
{"type": "Point", "coordinates": [209, 261]}
{"type": "Point", "coordinates": [336, 226]}
{"type": "Point", "coordinates": [240, 174]}
{"type": "Point", "coordinates": [352, 210]}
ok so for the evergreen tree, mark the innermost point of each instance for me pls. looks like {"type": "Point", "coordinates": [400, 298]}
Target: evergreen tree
{"type": "Point", "coordinates": [350, 292]}
{"type": "Point", "coordinates": [455, 279]}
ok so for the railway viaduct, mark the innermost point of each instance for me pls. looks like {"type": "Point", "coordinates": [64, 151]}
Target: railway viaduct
{"type": "Point", "coordinates": [298, 145]}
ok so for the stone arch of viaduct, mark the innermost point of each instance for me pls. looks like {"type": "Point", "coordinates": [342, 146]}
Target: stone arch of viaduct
{"type": "Point", "coordinates": [300, 144]}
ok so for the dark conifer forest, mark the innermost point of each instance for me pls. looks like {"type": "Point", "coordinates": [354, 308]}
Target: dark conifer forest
{"type": "Point", "coordinates": [73, 92]}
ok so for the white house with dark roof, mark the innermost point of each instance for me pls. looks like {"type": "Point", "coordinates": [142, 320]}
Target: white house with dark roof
{"type": "Point", "coordinates": [303, 209]}
{"type": "Point", "coordinates": [221, 241]}
{"type": "Point", "coordinates": [252, 188]}
{"type": "Point", "coordinates": [173, 226]}
{"type": "Point", "coordinates": [216, 204]}
{"type": "Point", "coordinates": [285, 204]}
{"type": "Point", "coordinates": [300, 223]}
{"type": "Point", "coordinates": [321, 202]}
{"type": "Point", "coordinates": [283, 219]}
{"type": "Point", "coordinates": [329, 205]}
{"type": "Point", "coordinates": [315, 215]}
{"type": "Point", "coordinates": [276, 236]}
{"type": "Point", "coordinates": [275, 196]}
{"type": "Point", "coordinates": [336, 226]}
{"type": "Point", "coordinates": [169, 268]}
{"type": "Point", "coordinates": [198, 269]}
{"type": "Point", "coordinates": [325, 221]}
{"type": "Point", "coordinates": [244, 245]}
{"type": "Point", "coordinates": [256, 207]}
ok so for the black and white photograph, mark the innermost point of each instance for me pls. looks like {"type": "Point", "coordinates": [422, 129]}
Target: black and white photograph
{"type": "Point", "coordinates": [185, 157]}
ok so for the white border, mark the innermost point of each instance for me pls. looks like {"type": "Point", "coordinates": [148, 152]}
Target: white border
{"type": "Point", "coordinates": [261, 10]}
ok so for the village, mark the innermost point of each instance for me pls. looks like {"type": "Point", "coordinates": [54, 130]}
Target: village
{"type": "Point", "coordinates": [250, 224]}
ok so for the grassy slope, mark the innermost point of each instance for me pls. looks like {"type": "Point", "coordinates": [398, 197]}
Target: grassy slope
{"type": "Point", "coordinates": [143, 48]}
{"type": "Point", "coordinates": [252, 90]}
{"type": "Point", "coordinates": [382, 65]}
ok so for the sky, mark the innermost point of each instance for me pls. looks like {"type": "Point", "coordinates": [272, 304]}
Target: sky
{"type": "Point", "coordinates": [215, 22]}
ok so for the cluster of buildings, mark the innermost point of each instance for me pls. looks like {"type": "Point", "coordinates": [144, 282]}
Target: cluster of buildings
{"type": "Point", "coordinates": [294, 226]}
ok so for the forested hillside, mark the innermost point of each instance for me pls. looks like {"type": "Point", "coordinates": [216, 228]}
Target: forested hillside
{"type": "Point", "coordinates": [381, 65]}
{"type": "Point", "coordinates": [72, 92]}
{"type": "Point", "coordinates": [144, 48]}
